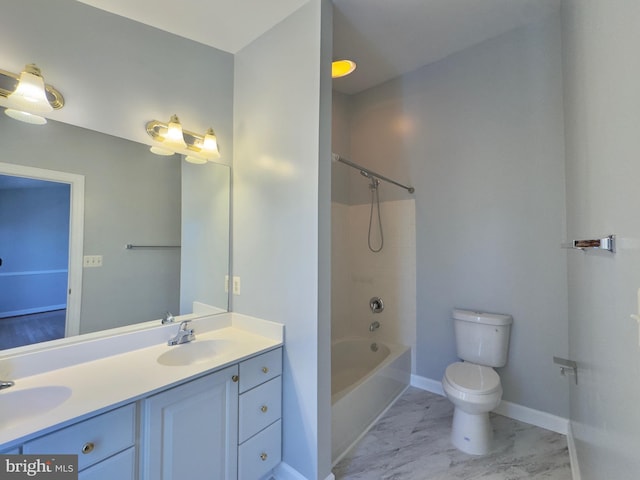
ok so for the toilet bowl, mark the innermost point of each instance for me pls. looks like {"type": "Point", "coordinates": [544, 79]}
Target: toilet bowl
{"type": "Point", "coordinates": [474, 390]}
{"type": "Point", "coordinates": [473, 386]}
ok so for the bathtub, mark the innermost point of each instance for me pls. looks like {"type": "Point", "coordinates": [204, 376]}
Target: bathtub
{"type": "Point", "coordinates": [364, 382]}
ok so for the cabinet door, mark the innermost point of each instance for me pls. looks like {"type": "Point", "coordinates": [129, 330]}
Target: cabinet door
{"type": "Point", "coordinates": [118, 467]}
{"type": "Point", "coordinates": [191, 431]}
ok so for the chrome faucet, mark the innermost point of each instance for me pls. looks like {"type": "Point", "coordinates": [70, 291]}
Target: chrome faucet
{"type": "Point", "coordinates": [184, 335]}
{"type": "Point", "coordinates": [168, 318]}
{"type": "Point", "coordinates": [6, 384]}
{"type": "Point", "coordinates": [374, 326]}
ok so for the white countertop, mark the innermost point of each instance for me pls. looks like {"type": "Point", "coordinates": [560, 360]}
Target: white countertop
{"type": "Point", "coordinates": [99, 380]}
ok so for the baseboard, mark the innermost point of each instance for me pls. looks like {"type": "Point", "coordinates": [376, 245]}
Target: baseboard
{"type": "Point", "coordinates": [507, 409]}
{"type": "Point", "coordinates": [424, 383]}
{"type": "Point", "coordinates": [573, 454]}
{"type": "Point", "coordinates": [284, 471]}
{"type": "Point", "coordinates": [29, 311]}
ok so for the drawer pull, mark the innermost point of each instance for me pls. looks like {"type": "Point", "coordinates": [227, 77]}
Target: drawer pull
{"type": "Point", "coordinates": [235, 378]}
{"type": "Point", "coordinates": [265, 370]}
{"type": "Point", "coordinates": [88, 447]}
{"type": "Point", "coordinates": [263, 409]}
{"type": "Point", "coordinates": [263, 456]}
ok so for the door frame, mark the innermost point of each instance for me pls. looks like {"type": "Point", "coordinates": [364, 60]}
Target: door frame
{"type": "Point", "coordinates": [76, 233]}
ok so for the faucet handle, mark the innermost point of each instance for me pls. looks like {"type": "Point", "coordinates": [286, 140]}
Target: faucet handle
{"type": "Point", "coordinates": [168, 317]}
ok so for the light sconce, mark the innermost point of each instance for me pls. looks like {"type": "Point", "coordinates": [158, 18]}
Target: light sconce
{"type": "Point", "coordinates": [172, 139]}
{"type": "Point", "coordinates": [26, 97]}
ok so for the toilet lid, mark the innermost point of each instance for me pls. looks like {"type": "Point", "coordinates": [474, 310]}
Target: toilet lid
{"type": "Point", "coordinates": [471, 378]}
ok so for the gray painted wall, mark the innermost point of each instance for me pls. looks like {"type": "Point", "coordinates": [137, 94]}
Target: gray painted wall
{"type": "Point", "coordinates": [601, 97]}
{"type": "Point", "coordinates": [279, 217]}
{"type": "Point", "coordinates": [480, 136]}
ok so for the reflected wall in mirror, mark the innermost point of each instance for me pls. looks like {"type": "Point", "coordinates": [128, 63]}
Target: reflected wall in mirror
{"type": "Point", "coordinates": [131, 197]}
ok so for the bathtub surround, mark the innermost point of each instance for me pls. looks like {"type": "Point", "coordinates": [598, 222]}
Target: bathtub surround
{"type": "Point", "coordinates": [411, 442]}
{"type": "Point", "coordinates": [359, 274]}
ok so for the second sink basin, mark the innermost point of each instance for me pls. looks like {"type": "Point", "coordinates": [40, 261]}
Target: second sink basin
{"type": "Point", "coordinates": [197, 351]}
{"type": "Point", "coordinates": [20, 405]}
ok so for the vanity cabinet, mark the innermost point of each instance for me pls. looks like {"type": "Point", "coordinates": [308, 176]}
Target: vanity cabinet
{"type": "Point", "coordinates": [191, 431]}
{"type": "Point", "coordinates": [105, 444]}
{"type": "Point", "coordinates": [225, 425]}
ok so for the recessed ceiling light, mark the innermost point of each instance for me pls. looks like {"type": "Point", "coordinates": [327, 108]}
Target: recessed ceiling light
{"type": "Point", "coordinates": [342, 68]}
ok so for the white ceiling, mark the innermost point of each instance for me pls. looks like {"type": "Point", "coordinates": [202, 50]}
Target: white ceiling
{"type": "Point", "coordinates": [228, 25]}
{"type": "Point", "coordinates": [386, 38]}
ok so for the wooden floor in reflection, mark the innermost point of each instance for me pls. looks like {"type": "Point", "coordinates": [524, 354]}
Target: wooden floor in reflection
{"type": "Point", "coordinates": [34, 328]}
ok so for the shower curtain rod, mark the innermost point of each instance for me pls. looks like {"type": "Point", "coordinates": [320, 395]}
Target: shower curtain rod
{"type": "Point", "coordinates": [337, 158]}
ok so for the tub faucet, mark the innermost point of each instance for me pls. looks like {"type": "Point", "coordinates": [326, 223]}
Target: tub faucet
{"type": "Point", "coordinates": [6, 384]}
{"type": "Point", "coordinates": [184, 335]}
{"type": "Point", "coordinates": [374, 326]}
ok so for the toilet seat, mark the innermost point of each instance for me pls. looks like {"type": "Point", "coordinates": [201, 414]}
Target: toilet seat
{"type": "Point", "coordinates": [471, 378]}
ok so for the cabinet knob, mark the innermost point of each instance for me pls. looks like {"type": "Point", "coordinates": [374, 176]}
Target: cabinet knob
{"type": "Point", "coordinates": [263, 456]}
{"type": "Point", "coordinates": [265, 370]}
{"type": "Point", "coordinates": [88, 447]}
{"type": "Point", "coordinates": [235, 378]}
{"type": "Point", "coordinates": [263, 409]}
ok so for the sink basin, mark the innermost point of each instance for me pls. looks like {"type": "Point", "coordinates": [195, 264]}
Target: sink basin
{"type": "Point", "coordinates": [20, 405]}
{"type": "Point", "coordinates": [197, 351]}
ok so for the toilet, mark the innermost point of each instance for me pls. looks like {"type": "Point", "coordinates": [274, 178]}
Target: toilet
{"type": "Point", "coordinates": [473, 386]}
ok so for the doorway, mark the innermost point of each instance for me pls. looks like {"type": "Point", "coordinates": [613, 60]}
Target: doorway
{"type": "Point", "coordinates": [41, 224]}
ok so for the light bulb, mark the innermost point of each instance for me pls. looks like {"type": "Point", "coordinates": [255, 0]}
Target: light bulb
{"type": "Point", "coordinates": [195, 160]}
{"type": "Point", "coordinates": [210, 145]}
{"type": "Point", "coordinates": [30, 94]}
{"type": "Point", "coordinates": [174, 138]}
{"type": "Point", "coordinates": [25, 117]}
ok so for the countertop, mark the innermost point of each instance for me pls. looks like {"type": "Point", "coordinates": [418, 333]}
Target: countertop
{"type": "Point", "coordinates": [101, 381]}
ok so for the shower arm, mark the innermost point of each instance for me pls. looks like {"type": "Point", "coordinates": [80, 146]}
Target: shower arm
{"type": "Point", "coordinates": [337, 158]}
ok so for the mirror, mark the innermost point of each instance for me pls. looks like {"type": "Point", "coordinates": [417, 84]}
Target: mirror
{"type": "Point", "coordinates": [175, 216]}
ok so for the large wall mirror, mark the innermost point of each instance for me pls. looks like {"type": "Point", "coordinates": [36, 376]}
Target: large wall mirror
{"type": "Point", "coordinates": [115, 75]}
{"type": "Point", "coordinates": [174, 216]}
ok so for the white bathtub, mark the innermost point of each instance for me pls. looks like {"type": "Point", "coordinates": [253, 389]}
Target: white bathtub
{"type": "Point", "coordinates": [363, 383]}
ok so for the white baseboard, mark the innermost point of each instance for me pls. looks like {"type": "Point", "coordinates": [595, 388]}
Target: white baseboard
{"type": "Point", "coordinates": [508, 409]}
{"type": "Point", "coordinates": [284, 471]}
{"type": "Point", "coordinates": [573, 455]}
{"type": "Point", "coordinates": [29, 311]}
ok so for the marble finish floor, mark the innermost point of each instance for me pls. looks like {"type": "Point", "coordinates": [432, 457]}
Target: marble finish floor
{"type": "Point", "coordinates": [411, 442]}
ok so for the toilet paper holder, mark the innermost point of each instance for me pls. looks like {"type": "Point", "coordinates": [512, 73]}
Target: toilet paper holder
{"type": "Point", "coordinates": [567, 367]}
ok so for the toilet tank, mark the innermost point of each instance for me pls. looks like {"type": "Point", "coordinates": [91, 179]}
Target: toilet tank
{"type": "Point", "coordinates": [482, 338]}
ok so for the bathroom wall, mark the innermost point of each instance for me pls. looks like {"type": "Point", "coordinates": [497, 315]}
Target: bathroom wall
{"type": "Point", "coordinates": [601, 106]}
{"type": "Point", "coordinates": [280, 219]}
{"type": "Point", "coordinates": [480, 136]}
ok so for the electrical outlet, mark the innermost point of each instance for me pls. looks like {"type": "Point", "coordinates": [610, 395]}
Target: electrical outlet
{"type": "Point", "coordinates": [92, 261]}
{"type": "Point", "coordinates": [236, 285]}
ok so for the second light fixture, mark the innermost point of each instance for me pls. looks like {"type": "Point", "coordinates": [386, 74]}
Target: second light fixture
{"type": "Point", "coordinates": [171, 138]}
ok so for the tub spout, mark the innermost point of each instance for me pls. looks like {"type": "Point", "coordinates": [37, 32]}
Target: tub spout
{"type": "Point", "coordinates": [374, 326]}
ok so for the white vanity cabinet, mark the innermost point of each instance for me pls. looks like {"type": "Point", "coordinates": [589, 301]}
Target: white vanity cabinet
{"type": "Point", "coordinates": [191, 431]}
{"type": "Point", "coordinates": [260, 411]}
{"type": "Point", "coordinates": [105, 444]}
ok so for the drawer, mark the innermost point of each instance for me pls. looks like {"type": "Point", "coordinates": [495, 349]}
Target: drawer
{"type": "Point", "coordinates": [119, 467]}
{"type": "Point", "coordinates": [92, 440]}
{"type": "Point", "coordinates": [259, 408]}
{"type": "Point", "coordinates": [260, 454]}
{"type": "Point", "coordinates": [259, 369]}
{"type": "Point", "coordinates": [13, 451]}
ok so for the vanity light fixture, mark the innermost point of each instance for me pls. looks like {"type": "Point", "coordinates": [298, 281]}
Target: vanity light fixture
{"type": "Point", "coordinates": [26, 97]}
{"type": "Point", "coordinates": [171, 138]}
{"type": "Point", "coordinates": [342, 68]}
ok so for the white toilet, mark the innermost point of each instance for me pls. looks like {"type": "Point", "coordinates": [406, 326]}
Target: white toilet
{"type": "Point", "coordinates": [473, 386]}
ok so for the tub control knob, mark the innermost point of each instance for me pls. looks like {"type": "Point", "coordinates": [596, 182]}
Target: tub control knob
{"type": "Point", "coordinates": [376, 304]}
